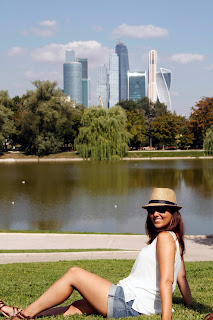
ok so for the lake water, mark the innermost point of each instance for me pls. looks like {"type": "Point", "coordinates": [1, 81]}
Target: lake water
{"type": "Point", "coordinates": [102, 196]}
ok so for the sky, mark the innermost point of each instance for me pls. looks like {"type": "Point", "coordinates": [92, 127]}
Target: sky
{"type": "Point", "coordinates": [34, 36]}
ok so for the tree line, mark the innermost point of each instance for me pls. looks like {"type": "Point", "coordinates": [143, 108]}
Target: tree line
{"type": "Point", "coordinates": [43, 121]}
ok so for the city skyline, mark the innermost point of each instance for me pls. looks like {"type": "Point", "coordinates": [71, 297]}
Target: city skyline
{"type": "Point", "coordinates": [35, 37]}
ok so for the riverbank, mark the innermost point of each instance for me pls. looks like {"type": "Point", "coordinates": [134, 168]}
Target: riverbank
{"type": "Point", "coordinates": [12, 157]}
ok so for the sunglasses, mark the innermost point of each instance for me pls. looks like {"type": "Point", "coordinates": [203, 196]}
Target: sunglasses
{"type": "Point", "coordinates": [160, 209]}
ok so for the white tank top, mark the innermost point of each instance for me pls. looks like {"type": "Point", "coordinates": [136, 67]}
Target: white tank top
{"type": "Point", "coordinates": [142, 285]}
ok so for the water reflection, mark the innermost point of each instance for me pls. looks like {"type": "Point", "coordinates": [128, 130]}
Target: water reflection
{"type": "Point", "coordinates": [102, 196]}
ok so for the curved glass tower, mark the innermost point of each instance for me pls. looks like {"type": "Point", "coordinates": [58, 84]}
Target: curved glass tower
{"type": "Point", "coordinates": [73, 81]}
{"type": "Point", "coordinates": [122, 53]}
{"type": "Point", "coordinates": [163, 81]}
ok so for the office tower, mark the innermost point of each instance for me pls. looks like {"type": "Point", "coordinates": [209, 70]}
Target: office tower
{"type": "Point", "coordinates": [122, 53]}
{"type": "Point", "coordinates": [163, 80]}
{"type": "Point", "coordinates": [102, 86]}
{"type": "Point", "coordinates": [72, 74]}
{"type": "Point", "coordinates": [85, 81]}
{"type": "Point", "coordinates": [70, 56]}
{"type": "Point", "coordinates": [152, 90]}
{"type": "Point", "coordinates": [113, 80]}
{"type": "Point", "coordinates": [136, 85]}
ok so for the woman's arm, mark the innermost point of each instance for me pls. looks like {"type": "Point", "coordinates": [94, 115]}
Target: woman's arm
{"type": "Point", "coordinates": [166, 249]}
{"type": "Point", "coordinates": [183, 285]}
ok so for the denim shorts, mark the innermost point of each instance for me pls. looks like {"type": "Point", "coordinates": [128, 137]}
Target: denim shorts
{"type": "Point", "coordinates": [117, 307]}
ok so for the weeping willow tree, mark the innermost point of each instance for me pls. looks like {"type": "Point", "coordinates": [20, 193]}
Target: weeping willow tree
{"type": "Point", "coordinates": [208, 142]}
{"type": "Point", "coordinates": [103, 134]}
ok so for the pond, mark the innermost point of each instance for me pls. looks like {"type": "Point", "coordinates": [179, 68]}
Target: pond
{"type": "Point", "coordinates": [102, 196]}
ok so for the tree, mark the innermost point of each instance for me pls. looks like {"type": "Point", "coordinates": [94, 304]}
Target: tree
{"type": "Point", "coordinates": [208, 141]}
{"type": "Point", "coordinates": [201, 119]}
{"type": "Point", "coordinates": [7, 127]}
{"type": "Point", "coordinates": [135, 123]}
{"type": "Point", "coordinates": [45, 119]}
{"type": "Point", "coordinates": [164, 130]}
{"type": "Point", "coordinates": [103, 134]}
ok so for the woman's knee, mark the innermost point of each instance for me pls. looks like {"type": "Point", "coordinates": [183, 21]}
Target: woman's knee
{"type": "Point", "coordinates": [74, 271]}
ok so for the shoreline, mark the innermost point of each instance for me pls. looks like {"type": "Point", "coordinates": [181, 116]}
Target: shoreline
{"type": "Point", "coordinates": [13, 160]}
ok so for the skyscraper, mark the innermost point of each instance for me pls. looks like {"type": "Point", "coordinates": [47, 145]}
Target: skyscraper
{"type": "Point", "coordinates": [72, 74]}
{"type": "Point", "coordinates": [136, 85]}
{"type": "Point", "coordinates": [70, 56]}
{"type": "Point", "coordinates": [85, 81]}
{"type": "Point", "coordinates": [122, 53]}
{"type": "Point", "coordinates": [113, 80]}
{"type": "Point", "coordinates": [152, 90]}
{"type": "Point", "coordinates": [102, 85]}
{"type": "Point", "coordinates": [163, 80]}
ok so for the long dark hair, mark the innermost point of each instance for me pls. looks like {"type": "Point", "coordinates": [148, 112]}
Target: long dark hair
{"type": "Point", "coordinates": [176, 225]}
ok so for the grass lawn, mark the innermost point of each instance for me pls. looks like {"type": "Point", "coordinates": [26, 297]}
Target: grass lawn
{"type": "Point", "coordinates": [165, 153]}
{"type": "Point", "coordinates": [22, 283]}
{"type": "Point", "coordinates": [131, 154]}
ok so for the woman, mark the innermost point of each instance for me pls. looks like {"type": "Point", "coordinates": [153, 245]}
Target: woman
{"type": "Point", "coordinates": [147, 290]}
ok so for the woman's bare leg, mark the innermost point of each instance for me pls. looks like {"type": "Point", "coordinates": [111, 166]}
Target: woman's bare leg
{"type": "Point", "coordinates": [93, 288]}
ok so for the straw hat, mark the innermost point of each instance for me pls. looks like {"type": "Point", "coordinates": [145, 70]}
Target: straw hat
{"type": "Point", "coordinates": [162, 197]}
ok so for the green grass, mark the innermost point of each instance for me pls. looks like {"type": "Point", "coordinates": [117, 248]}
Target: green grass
{"type": "Point", "coordinates": [61, 232]}
{"type": "Point", "coordinates": [162, 153]}
{"type": "Point", "coordinates": [22, 283]}
{"type": "Point", "coordinates": [131, 154]}
{"type": "Point", "coordinates": [58, 250]}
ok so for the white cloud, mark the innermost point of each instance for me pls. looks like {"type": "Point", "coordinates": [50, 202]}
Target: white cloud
{"type": "Point", "coordinates": [209, 67]}
{"type": "Point", "coordinates": [16, 51]}
{"type": "Point", "coordinates": [186, 57]}
{"type": "Point", "coordinates": [42, 32]}
{"type": "Point", "coordinates": [139, 32]}
{"type": "Point", "coordinates": [55, 53]}
{"type": "Point", "coordinates": [47, 28]}
{"type": "Point", "coordinates": [48, 23]}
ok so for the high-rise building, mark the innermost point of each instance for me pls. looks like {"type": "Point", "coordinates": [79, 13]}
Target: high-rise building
{"type": "Point", "coordinates": [122, 53]}
{"type": "Point", "coordinates": [70, 56]}
{"type": "Point", "coordinates": [102, 85]}
{"type": "Point", "coordinates": [113, 80]}
{"type": "Point", "coordinates": [136, 85]}
{"type": "Point", "coordinates": [85, 81]}
{"type": "Point", "coordinates": [163, 80]}
{"type": "Point", "coordinates": [152, 90]}
{"type": "Point", "coordinates": [72, 74]}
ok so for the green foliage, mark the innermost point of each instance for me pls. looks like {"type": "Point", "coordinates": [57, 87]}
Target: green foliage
{"type": "Point", "coordinates": [208, 142]}
{"type": "Point", "coordinates": [22, 283]}
{"type": "Point", "coordinates": [7, 127]}
{"type": "Point", "coordinates": [201, 119]}
{"type": "Point", "coordinates": [103, 134]}
{"type": "Point", "coordinates": [164, 130]}
{"type": "Point", "coordinates": [45, 120]}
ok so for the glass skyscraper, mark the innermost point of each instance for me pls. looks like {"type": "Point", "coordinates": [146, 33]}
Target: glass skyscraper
{"type": "Point", "coordinates": [163, 80]}
{"type": "Point", "coordinates": [136, 85]}
{"type": "Point", "coordinates": [85, 81]}
{"type": "Point", "coordinates": [102, 85]}
{"type": "Point", "coordinates": [152, 89]}
{"type": "Point", "coordinates": [113, 80]}
{"type": "Point", "coordinates": [122, 53]}
{"type": "Point", "coordinates": [72, 74]}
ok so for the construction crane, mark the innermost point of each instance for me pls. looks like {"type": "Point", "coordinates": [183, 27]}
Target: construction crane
{"type": "Point", "coordinates": [101, 101]}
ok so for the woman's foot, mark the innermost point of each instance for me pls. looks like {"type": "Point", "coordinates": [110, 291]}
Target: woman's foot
{"type": "Point", "coordinates": [8, 311]}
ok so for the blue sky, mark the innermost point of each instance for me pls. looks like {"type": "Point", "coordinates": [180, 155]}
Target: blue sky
{"type": "Point", "coordinates": [34, 36]}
